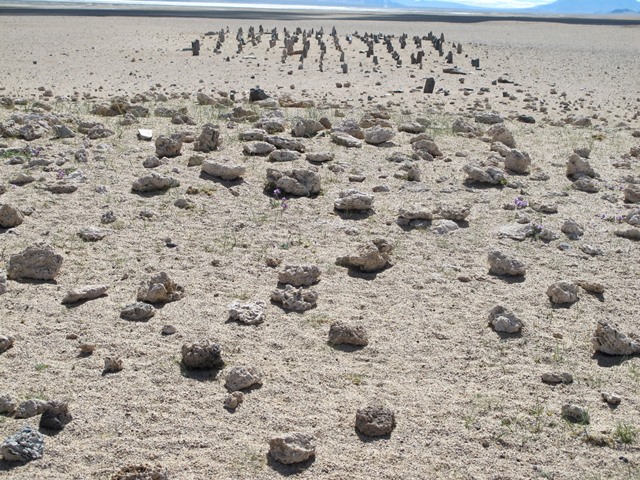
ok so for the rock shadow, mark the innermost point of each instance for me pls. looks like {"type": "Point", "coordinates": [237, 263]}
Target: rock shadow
{"type": "Point", "coordinates": [345, 347]}
{"type": "Point", "coordinates": [151, 194]}
{"type": "Point", "coordinates": [7, 466]}
{"type": "Point", "coordinates": [607, 361]}
{"type": "Point", "coordinates": [201, 375]}
{"type": "Point", "coordinates": [367, 439]}
{"type": "Point", "coordinates": [70, 306]}
{"type": "Point", "coordinates": [354, 214]}
{"type": "Point", "coordinates": [289, 470]}
{"type": "Point", "coordinates": [221, 181]}
{"type": "Point", "coordinates": [482, 186]}
{"type": "Point", "coordinates": [31, 281]}
{"type": "Point", "coordinates": [510, 279]}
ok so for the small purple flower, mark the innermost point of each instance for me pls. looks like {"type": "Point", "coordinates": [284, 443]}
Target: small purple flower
{"type": "Point", "coordinates": [520, 203]}
{"type": "Point", "coordinates": [538, 227]}
{"type": "Point", "coordinates": [619, 218]}
{"type": "Point", "coordinates": [277, 192]}
{"type": "Point", "coordinates": [60, 174]}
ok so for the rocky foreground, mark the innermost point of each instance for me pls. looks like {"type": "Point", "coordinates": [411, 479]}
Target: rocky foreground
{"type": "Point", "coordinates": [435, 281]}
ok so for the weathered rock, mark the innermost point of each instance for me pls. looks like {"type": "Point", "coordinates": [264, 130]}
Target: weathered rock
{"type": "Point", "coordinates": [209, 139]}
{"type": "Point", "coordinates": [87, 348]}
{"type": "Point", "coordinates": [500, 133]}
{"type": "Point", "coordinates": [292, 447]}
{"type": "Point", "coordinates": [345, 140]}
{"type": "Point", "coordinates": [425, 147]}
{"type": "Point", "coordinates": [272, 123]}
{"type": "Point", "coordinates": [488, 118]}
{"type": "Point", "coordinates": [258, 148]}
{"type": "Point", "coordinates": [7, 404]}
{"type": "Point", "coordinates": [138, 312]}
{"type": "Point", "coordinates": [283, 143]}
{"type": "Point", "coordinates": [154, 182]}
{"type": "Point", "coordinates": [24, 446]}
{"type": "Point", "coordinates": [202, 356]}
{"type": "Point", "coordinates": [575, 413]}
{"type": "Point", "coordinates": [591, 287]}
{"type": "Point", "coordinates": [375, 421]}
{"type": "Point", "coordinates": [284, 156]}
{"type": "Point", "coordinates": [37, 262]}
{"type": "Point", "coordinates": [306, 128]}
{"type": "Point", "coordinates": [378, 135]}
{"type": "Point", "coordinates": [6, 342]}
{"type": "Point", "coordinates": [89, 292]}
{"type": "Point", "coordinates": [299, 275]}
{"type": "Point", "coordinates": [371, 256]}
{"type": "Point", "coordinates": [501, 264]}
{"type": "Point", "coordinates": [3, 282]}
{"type": "Point", "coordinates": [443, 227]}
{"type": "Point", "coordinates": [92, 234]}
{"type": "Point", "coordinates": [630, 234]}
{"type": "Point", "coordinates": [517, 161]}
{"type": "Point", "coordinates": [30, 408]}
{"type": "Point", "coordinates": [633, 217]}
{"type": "Point", "coordinates": [251, 313]}
{"type": "Point", "coordinates": [224, 169]}
{"type": "Point", "coordinates": [578, 166]}
{"type": "Point", "coordinates": [152, 162]}
{"type": "Point", "coordinates": [490, 175]}
{"type": "Point", "coordinates": [56, 416]}
{"type": "Point", "coordinates": [555, 378]}
{"type": "Point", "coordinates": [504, 321]}
{"type": "Point", "coordinates": [299, 182]}
{"type": "Point", "coordinates": [342, 333]}
{"type": "Point", "coordinates": [233, 400]}
{"type": "Point", "coordinates": [350, 127]}
{"type": "Point", "coordinates": [112, 364]}
{"type": "Point", "coordinates": [168, 146]}
{"type": "Point", "coordinates": [353, 200]}
{"type": "Point", "coordinates": [563, 292]}
{"type": "Point", "coordinates": [22, 179]}
{"type": "Point", "coordinates": [252, 135]}
{"type": "Point", "coordinates": [319, 157]}
{"type": "Point", "coordinates": [411, 127]}
{"type": "Point", "coordinates": [160, 289]}
{"type": "Point", "coordinates": [611, 398]}
{"type": "Point", "coordinates": [416, 216]}
{"type": "Point", "coordinates": [10, 217]}
{"type": "Point", "coordinates": [571, 229]}
{"type": "Point", "coordinates": [586, 184]}
{"type": "Point", "coordinates": [608, 339]}
{"type": "Point", "coordinates": [632, 193]}
{"type": "Point", "coordinates": [295, 299]}
{"type": "Point", "coordinates": [455, 212]}
{"type": "Point", "coordinates": [240, 378]}
{"type": "Point", "coordinates": [460, 125]}
{"type": "Point", "coordinates": [517, 232]}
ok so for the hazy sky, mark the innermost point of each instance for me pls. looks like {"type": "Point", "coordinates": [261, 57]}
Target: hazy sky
{"type": "Point", "coordinates": [505, 3]}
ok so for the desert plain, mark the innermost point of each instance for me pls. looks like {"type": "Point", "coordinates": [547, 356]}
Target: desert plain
{"type": "Point", "coordinates": [535, 155]}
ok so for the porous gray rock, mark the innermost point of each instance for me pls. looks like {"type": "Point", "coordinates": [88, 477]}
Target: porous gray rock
{"type": "Point", "coordinates": [224, 169]}
{"type": "Point", "coordinates": [425, 147]}
{"type": "Point", "coordinates": [632, 193]}
{"type": "Point", "coordinates": [488, 118]}
{"type": "Point", "coordinates": [319, 157]}
{"type": "Point", "coordinates": [298, 182]}
{"type": "Point", "coordinates": [371, 256]}
{"type": "Point", "coordinates": [578, 166]}
{"type": "Point", "coordinates": [461, 126]}
{"type": "Point", "coordinates": [350, 127]}
{"type": "Point", "coordinates": [572, 229]}
{"type": "Point", "coordinates": [295, 299]}
{"type": "Point", "coordinates": [611, 398]}
{"type": "Point", "coordinates": [140, 472]}
{"type": "Point", "coordinates": [249, 313]}
{"type": "Point", "coordinates": [375, 421]}
{"type": "Point", "coordinates": [258, 148]}
{"type": "Point", "coordinates": [633, 217]}
{"type": "Point", "coordinates": [563, 292]}
{"type": "Point", "coordinates": [284, 143]}
{"type": "Point", "coordinates": [24, 446]}
{"type": "Point", "coordinates": [92, 234]}
{"type": "Point", "coordinates": [240, 378]}
{"type": "Point", "coordinates": [55, 416]}
{"type": "Point", "coordinates": [306, 128]}
{"type": "Point", "coordinates": [299, 275]}
{"type": "Point", "coordinates": [591, 287]}
{"type": "Point", "coordinates": [252, 135]}
{"type": "Point", "coordinates": [517, 161]}
{"type": "Point", "coordinates": [159, 289]}
{"type": "Point", "coordinates": [415, 216]}
{"type": "Point", "coordinates": [455, 212]}
{"type": "Point", "coordinates": [6, 342]}
{"type": "Point", "coordinates": [89, 292]}
{"type": "Point", "coordinates": [575, 413]}
{"type": "Point", "coordinates": [345, 140]}
{"type": "Point", "coordinates": [202, 356]}
{"type": "Point", "coordinates": [443, 227]}
{"type": "Point", "coordinates": [10, 216]}
{"type": "Point", "coordinates": [610, 340]}
{"type": "Point", "coordinates": [3, 282]}
{"type": "Point", "coordinates": [7, 404]}
{"type": "Point", "coordinates": [292, 447]}
{"type": "Point", "coordinates": [630, 234]}
{"type": "Point", "coordinates": [168, 146]}
{"type": "Point", "coordinates": [556, 378]}
{"type": "Point", "coordinates": [502, 264]}
{"type": "Point", "coordinates": [500, 133]}
{"type": "Point", "coordinates": [208, 140]}
{"type": "Point", "coordinates": [284, 156]}
{"type": "Point", "coordinates": [490, 175]}
{"type": "Point", "coordinates": [504, 321]}
{"type": "Point", "coordinates": [138, 312]}
{"type": "Point", "coordinates": [343, 333]}
{"type": "Point", "coordinates": [233, 400]}
{"type": "Point", "coordinates": [586, 184]}
{"type": "Point", "coordinates": [112, 364]}
{"type": "Point", "coordinates": [30, 408]}
{"type": "Point", "coordinates": [353, 200]}
{"type": "Point", "coordinates": [377, 135]}
{"type": "Point", "coordinates": [154, 182]}
{"type": "Point", "coordinates": [411, 127]}
{"type": "Point", "coordinates": [37, 262]}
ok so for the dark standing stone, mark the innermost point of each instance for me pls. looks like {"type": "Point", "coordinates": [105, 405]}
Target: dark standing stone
{"type": "Point", "coordinates": [195, 48]}
{"type": "Point", "coordinates": [257, 94]}
{"type": "Point", "coordinates": [430, 85]}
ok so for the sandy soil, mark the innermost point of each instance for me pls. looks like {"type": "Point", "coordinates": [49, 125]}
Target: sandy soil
{"type": "Point", "coordinates": [469, 403]}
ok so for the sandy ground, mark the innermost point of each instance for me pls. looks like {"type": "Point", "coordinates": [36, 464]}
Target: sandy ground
{"type": "Point", "coordinates": [469, 403]}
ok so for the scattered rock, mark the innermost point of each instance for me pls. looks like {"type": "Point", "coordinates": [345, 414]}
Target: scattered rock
{"type": "Point", "coordinates": [375, 421]}
{"type": "Point", "coordinates": [292, 447]}
{"type": "Point", "coordinates": [299, 182]}
{"type": "Point", "coordinates": [7, 404]}
{"type": "Point", "coordinates": [3, 282]}
{"type": "Point", "coordinates": [160, 289]}
{"type": "Point", "coordinates": [378, 135]}
{"type": "Point", "coordinates": [37, 262]}
{"type": "Point", "coordinates": [202, 356]}
{"type": "Point", "coordinates": [6, 342]}
{"type": "Point", "coordinates": [488, 118]}
{"type": "Point", "coordinates": [371, 256]}
{"type": "Point", "coordinates": [140, 472]}
{"type": "Point", "coordinates": [416, 216]}
{"type": "Point", "coordinates": [517, 161]}
{"type": "Point", "coordinates": [92, 234]}
{"type": "Point", "coordinates": [342, 333]}
{"type": "Point", "coordinates": [89, 292]}
{"type": "Point", "coordinates": [251, 313]}
{"type": "Point", "coordinates": [24, 446]}
{"type": "Point", "coordinates": [490, 175]}
{"type": "Point", "coordinates": [138, 312]}
{"type": "Point", "coordinates": [240, 378]}
{"type": "Point", "coordinates": [223, 169]}
{"type": "Point", "coordinates": [575, 413]}
{"type": "Point", "coordinates": [578, 166]}
{"type": "Point", "coordinates": [504, 321]}
{"type": "Point", "coordinates": [168, 330]}
{"type": "Point", "coordinates": [455, 212]}
{"type": "Point", "coordinates": [284, 156]}
{"type": "Point", "coordinates": [555, 378]}
{"type": "Point", "coordinates": [501, 264]}
{"type": "Point", "coordinates": [591, 287]}
{"type": "Point", "coordinates": [500, 133]}
{"type": "Point", "coordinates": [258, 148]}
{"type": "Point", "coordinates": [299, 275]}
{"type": "Point", "coordinates": [295, 299]}
{"type": "Point", "coordinates": [586, 184]}
{"type": "Point", "coordinates": [632, 193]}
{"type": "Point", "coordinates": [233, 400]}
{"type": "Point", "coordinates": [87, 348]}
{"type": "Point", "coordinates": [608, 339]}
{"type": "Point", "coordinates": [209, 139]}
{"type": "Point", "coordinates": [112, 364]}
{"type": "Point", "coordinates": [630, 234]}
{"type": "Point", "coordinates": [30, 408]}
{"type": "Point", "coordinates": [571, 229]}
{"type": "Point", "coordinates": [154, 182]}
{"type": "Point", "coordinates": [306, 128]}
{"type": "Point", "coordinates": [353, 200]}
{"type": "Point", "coordinates": [611, 398]}
{"type": "Point", "coordinates": [319, 157]}
{"type": "Point", "coordinates": [10, 217]}
{"type": "Point", "coordinates": [411, 127]}
{"type": "Point", "coordinates": [563, 292]}
{"type": "Point", "coordinates": [345, 140]}
{"type": "Point", "coordinates": [56, 416]}
{"type": "Point", "coordinates": [168, 146]}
